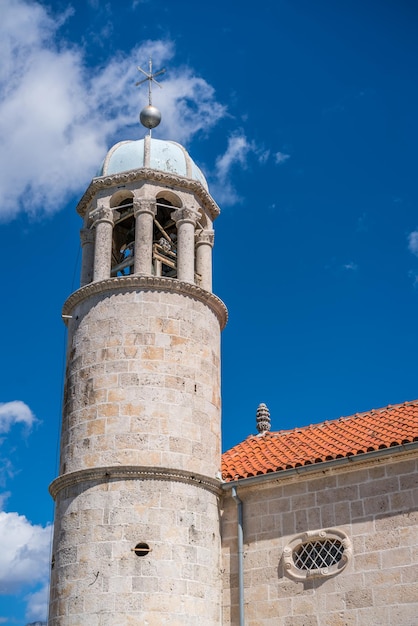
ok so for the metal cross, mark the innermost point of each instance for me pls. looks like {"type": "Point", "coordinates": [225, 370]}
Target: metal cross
{"type": "Point", "coordinates": [150, 77]}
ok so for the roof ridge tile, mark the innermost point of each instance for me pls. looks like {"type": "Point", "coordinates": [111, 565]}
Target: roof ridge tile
{"type": "Point", "coordinates": [328, 440]}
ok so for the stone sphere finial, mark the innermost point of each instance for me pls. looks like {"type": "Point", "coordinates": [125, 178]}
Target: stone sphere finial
{"type": "Point", "coordinates": [263, 418]}
{"type": "Point", "coordinates": [150, 116]}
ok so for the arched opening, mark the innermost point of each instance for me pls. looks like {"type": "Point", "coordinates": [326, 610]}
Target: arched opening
{"type": "Point", "coordinates": [164, 246]}
{"type": "Point", "coordinates": [202, 222]}
{"type": "Point", "coordinates": [123, 236]}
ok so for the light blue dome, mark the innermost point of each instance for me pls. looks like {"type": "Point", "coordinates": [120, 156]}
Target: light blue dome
{"type": "Point", "coordinates": [166, 156]}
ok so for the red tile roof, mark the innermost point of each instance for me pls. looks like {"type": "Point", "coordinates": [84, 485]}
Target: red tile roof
{"type": "Point", "coordinates": [286, 449]}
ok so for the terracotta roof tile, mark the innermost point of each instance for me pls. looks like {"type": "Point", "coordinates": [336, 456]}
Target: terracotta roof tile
{"type": "Point", "coordinates": [360, 433]}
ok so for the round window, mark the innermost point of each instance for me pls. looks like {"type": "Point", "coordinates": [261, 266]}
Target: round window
{"type": "Point", "coordinates": [317, 553]}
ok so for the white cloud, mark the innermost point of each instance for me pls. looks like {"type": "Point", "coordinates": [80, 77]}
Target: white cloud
{"type": "Point", "coordinates": [236, 153]}
{"type": "Point", "coordinates": [24, 553]}
{"type": "Point", "coordinates": [263, 156]}
{"type": "Point", "coordinates": [188, 105]}
{"type": "Point", "coordinates": [58, 117]}
{"type": "Point", "coordinates": [350, 266]}
{"type": "Point", "coordinates": [16, 412]}
{"type": "Point", "coordinates": [281, 157]}
{"type": "Point", "coordinates": [37, 604]}
{"type": "Point", "coordinates": [11, 413]}
{"type": "Point", "coordinates": [24, 547]}
{"type": "Point", "coordinates": [413, 242]}
{"type": "Point", "coordinates": [414, 277]}
{"type": "Point", "coordinates": [3, 499]}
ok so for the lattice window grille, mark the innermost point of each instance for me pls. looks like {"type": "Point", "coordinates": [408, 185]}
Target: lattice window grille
{"type": "Point", "coordinates": [318, 554]}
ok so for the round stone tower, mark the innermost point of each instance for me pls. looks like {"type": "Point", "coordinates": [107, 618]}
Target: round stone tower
{"type": "Point", "coordinates": [136, 537]}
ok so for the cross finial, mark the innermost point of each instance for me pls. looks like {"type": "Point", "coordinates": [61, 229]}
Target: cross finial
{"type": "Point", "coordinates": [150, 77]}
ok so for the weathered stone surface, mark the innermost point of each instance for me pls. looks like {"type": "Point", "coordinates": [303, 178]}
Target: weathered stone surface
{"type": "Point", "coordinates": [378, 585]}
{"type": "Point", "coordinates": [184, 365]}
{"type": "Point", "coordinates": [143, 392]}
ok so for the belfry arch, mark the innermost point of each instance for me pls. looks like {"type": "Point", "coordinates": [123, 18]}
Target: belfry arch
{"type": "Point", "coordinates": [123, 238]}
{"type": "Point", "coordinates": [165, 239]}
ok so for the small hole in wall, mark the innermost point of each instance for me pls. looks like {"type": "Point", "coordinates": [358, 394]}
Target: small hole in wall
{"type": "Point", "coordinates": [141, 549]}
{"type": "Point", "coordinates": [53, 561]}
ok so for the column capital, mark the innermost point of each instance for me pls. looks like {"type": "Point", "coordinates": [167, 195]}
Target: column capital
{"type": "Point", "coordinates": [144, 205]}
{"type": "Point", "coordinates": [102, 214]}
{"type": "Point", "coordinates": [86, 236]}
{"type": "Point", "coordinates": [206, 237]}
{"type": "Point", "coordinates": [185, 215]}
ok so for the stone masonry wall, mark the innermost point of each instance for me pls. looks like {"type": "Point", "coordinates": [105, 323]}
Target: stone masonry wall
{"type": "Point", "coordinates": [142, 384]}
{"type": "Point", "coordinates": [375, 505]}
{"type": "Point", "coordinates": [97, 580]}
{"type": "Point", "coordinates": [140, 451]}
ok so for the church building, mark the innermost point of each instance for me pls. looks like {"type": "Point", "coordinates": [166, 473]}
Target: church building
{"type": "Point", "coordinates": [315, 526]}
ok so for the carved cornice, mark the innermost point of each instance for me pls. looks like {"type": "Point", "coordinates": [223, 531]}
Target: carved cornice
{"type": "Point", "coordinates": [144, 173]}
{"type": "Point", "coordinates": [150, 283]}
{"type": "Point", "coordinates": [132, 472]}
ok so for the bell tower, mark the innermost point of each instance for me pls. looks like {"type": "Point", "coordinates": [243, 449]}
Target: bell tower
{"type": "Point", "coordinates": [136, 534]}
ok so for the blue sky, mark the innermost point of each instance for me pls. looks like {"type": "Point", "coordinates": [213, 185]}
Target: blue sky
{"type": "Point", "coordinates": [303, 116]}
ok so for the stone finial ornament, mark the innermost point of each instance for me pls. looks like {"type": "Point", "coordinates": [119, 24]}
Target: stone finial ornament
{"type": "Point", "coordinates": [263, 418]}
{"type": "Point", "coordinates": [150, 116]}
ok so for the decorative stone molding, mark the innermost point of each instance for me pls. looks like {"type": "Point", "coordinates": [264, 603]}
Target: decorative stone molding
{"type": "Point", "coordinates": [151, 283]}
{"type": "Point", "coordinates": [132, 472]}
{"type": "Point", "coordinates": [102, 214]}
{"type": "Point", "coordinates": [206, 237]}
{"type": "Point", "coordinates": [144, 173]}
{"type": "Point", "coordinates": [330, 536]}
{"type": "Point", "coordinates": [144, 205]}
{"type": "Point", "coordinates": [187, 215]}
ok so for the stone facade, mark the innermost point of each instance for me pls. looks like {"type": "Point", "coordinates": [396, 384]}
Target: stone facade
{"type": "Point", "coordinates": [97, 578]}
{"type": "Point", "coordinates": [374, 504]}
{"type": "Point", "coordinates": [140, 452]}
{"type": "Point", "coordinates": [142, 382]}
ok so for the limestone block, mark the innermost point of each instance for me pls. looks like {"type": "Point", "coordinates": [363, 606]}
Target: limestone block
{"type": "Point", "coordinates": [400, 557]}
{"type": "Point", "coordinates": [377, 487]}
{"type": "Point", "coordinates": [403, 614]}
{"type": "Point", "coordinates": [409, 481]}
{"type": "Point", "coordinates": [298, 620]}
{"type": "Point", "coordinates": [358, 598]}
{"type": "Point", "coordinates": [367, 561]}
{"type": "Point", "coordinates": [302, 605]}
{"type": "Point", "coordinates": [342, 618]}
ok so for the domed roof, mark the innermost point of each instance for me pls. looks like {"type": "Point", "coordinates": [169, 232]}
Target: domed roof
{"type": "Point", "coordinates": [167, 156]}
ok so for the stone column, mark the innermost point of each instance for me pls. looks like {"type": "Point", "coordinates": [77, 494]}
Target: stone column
{"type": "Point", "coordinates": [87, 255]}
{"type": "Point", "coordinates": [103, 225]}
{"type": "Point", "coordinates": [204, 247]}
{"type": "Point", "coordinates": [186, 221]}
{"type": "Point", "coordinates": [144, 211]}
